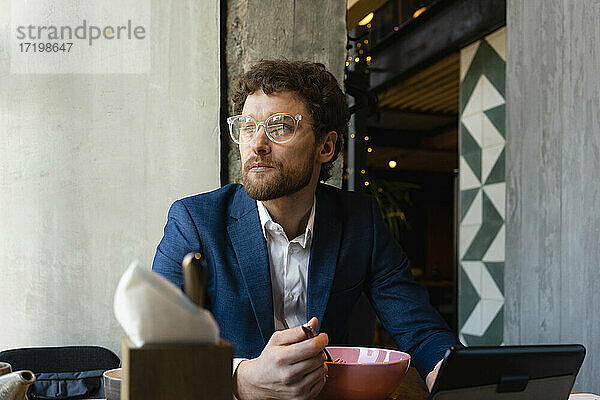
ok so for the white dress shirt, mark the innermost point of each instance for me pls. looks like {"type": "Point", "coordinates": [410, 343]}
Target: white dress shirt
{"type": "Point", "coordinates": [288, 265]}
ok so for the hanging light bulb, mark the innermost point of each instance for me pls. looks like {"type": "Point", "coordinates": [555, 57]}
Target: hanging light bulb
{"type": "Point", "coordinates": [366, 19]}
{"type": "Point", "coordinates": [419, 12]}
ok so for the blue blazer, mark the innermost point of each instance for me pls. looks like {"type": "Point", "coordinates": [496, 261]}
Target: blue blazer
{"type": "Point", "coordinates": [352, 252]}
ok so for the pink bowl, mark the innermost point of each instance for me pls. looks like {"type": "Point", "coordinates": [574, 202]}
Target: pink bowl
{"type": "Point", "coordinates": [363, 373]}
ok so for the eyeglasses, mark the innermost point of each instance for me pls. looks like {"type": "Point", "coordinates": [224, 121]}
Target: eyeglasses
{"type": "Point", "coordinates": [280, 127]}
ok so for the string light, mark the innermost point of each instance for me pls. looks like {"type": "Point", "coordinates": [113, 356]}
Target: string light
{"type": "Point", "coordinates": [366, 138]}
{"type": "Point", "coordinates": [366, 183]}
{"type": "Point", "coordinates": [347, 63]}
{"type": "Point", "coordinates": [369, 150]}
{"type": "Point", "coordinates": [396, 29]}
{"type": "Point", "coordinates": [366, 41]}
{"type": "Point", "coordinates": [356, 59]}
{"type": "Point", "coordinates": [392, 164]}
{"type": "Point", "coordinates": [369, 26]}
{"type": "Point", "coordinates": [368, 58]}
{"type": "Point", "coordinates": [362, 171]}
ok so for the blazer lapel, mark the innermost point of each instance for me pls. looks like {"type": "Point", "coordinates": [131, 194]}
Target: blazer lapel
{"type": "Point", "coordinates": [323, 254]}
{"type": "Point", "coordinates": [250, 249]}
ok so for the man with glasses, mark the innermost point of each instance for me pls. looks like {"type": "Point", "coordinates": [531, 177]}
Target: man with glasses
{"type": "Point", "coordinates": [285, 250]}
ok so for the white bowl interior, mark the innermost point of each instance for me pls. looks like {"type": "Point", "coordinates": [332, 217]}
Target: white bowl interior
{"type": "Point", "coordinates": [365, 355]}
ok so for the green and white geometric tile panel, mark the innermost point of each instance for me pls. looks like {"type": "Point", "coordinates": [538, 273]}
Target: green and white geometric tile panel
{"type": "Point", "coordinates": [482, 191]}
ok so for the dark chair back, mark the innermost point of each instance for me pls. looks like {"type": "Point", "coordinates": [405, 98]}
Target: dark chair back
{"type": "Point", "coordinates": [63, 372]}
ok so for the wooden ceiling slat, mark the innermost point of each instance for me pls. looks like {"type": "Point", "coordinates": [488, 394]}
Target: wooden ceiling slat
{"type": "Point", "coordinates": [435, 89]}
{"type": "Point", "coordinates": [401, 91]}
{"type": "Point", "coordinates": [450, 105]}
{"type": "Point", "coordinates": [450, 109]}
{"type": "Point", "coordinates": [447, 96]}
{"type": "Point", "coordinates": [428, 105]}
{"type": "Point", "coordinates": [442, 90]}
{"type": "Point", "coordinates": [432, 81]}
{"type": "Point", "coordinates": [451, 100]}
{"type": "Point", "coordinates": [439, 108]}
{"type": "Point", "coordinates": [419, 100]}
{"type": "Point", "coordinates": [449, 62]}
{"type": "Point", "coordinates": [412, 93]}
{"type": "Point", "coordinates": [416, 101]}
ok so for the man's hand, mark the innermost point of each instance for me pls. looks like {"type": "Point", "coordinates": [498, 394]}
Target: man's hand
{"type": "Point", "coordinates": [289, 367]}
{"type": "Point", "coordinates": [430, 379]}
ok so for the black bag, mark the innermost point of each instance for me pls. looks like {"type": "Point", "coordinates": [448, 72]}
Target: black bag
{"type": "Point", "coordinates": [67, 385]}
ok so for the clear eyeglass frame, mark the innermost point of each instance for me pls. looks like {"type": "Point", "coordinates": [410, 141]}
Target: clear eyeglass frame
{"type": "Point", "coordinates": [234, 119]}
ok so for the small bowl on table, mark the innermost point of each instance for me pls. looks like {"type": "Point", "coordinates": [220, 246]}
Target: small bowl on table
{"type": "Point", "coordinates": [112, 384]}
{"type": "Point", "coordinates": [363, 373]}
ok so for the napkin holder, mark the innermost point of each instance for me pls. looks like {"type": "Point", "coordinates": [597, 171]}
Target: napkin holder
{"type": "Point", "coordinates": [176, 371]}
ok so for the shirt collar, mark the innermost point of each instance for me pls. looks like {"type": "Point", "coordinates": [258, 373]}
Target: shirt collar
{"type": "Point", "coordinates": [267, 223]}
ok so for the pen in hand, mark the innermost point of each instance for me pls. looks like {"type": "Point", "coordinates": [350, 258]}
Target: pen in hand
{"type": "Point", "coordinates": [310, 333]}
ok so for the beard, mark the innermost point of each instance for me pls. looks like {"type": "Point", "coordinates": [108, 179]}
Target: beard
{"type": "Point", "coordinates": [278, 182]}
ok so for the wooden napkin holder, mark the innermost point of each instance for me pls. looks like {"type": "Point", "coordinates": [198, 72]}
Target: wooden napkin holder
{"type": "Point", "coordinates": [176, 371]}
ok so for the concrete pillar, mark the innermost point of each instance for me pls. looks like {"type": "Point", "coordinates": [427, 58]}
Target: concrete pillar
{"type": "Point", "coordinates": [552, 281]}
{"type": "Point", "coordinates": [291, 29]}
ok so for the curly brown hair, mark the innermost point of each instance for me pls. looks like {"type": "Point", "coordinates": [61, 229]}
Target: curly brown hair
{"type": "Point", "coordinates": [316, 87]}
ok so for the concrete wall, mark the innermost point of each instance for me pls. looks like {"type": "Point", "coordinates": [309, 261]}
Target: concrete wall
{"type": "Point", "coordinates": [552, 281]}
{"type": "Point", "coordinates": [89, 164]}
{"type": "Point", "coordinates": [313, 30]}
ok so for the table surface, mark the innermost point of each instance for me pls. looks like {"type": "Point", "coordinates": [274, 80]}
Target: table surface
{"type": "Point", "coordinates": [411, 388]}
